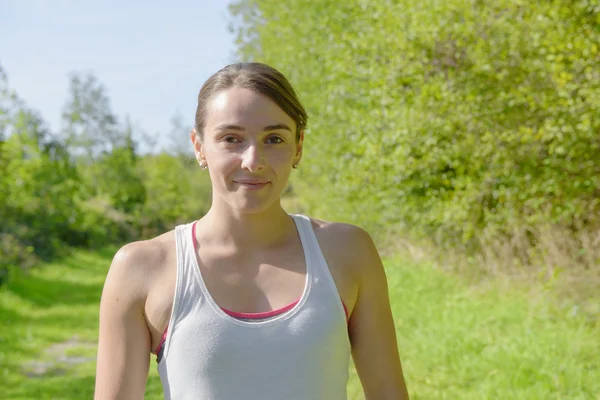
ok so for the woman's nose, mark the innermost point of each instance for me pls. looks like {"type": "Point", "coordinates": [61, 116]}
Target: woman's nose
{"type": "Point", "coordinates": [253, 158]}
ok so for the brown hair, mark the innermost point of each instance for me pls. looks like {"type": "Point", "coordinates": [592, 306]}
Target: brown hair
{"type": "Point", "coordinates": [259, 78]}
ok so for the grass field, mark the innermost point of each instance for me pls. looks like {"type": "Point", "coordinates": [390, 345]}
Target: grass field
{"type": "Point", "coordinates": [457, 341]}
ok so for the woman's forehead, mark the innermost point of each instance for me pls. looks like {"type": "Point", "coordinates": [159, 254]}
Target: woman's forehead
{"type": "Point", "coordinates": [244, 107]}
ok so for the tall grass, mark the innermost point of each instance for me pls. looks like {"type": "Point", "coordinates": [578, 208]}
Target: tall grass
{"type": "Point", "coordinates": [567, 259]}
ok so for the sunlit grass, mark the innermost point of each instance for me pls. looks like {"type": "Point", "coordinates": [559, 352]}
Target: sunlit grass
{"type": "Point", "coordinates": [456, 341]}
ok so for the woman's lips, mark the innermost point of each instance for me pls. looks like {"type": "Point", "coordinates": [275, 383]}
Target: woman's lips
{"type": "Point", "coordinates": [252, 185]}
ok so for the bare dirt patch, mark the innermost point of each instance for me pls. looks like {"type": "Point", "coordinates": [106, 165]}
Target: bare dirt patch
{"type": "Point", "coordinates": [55, 360]}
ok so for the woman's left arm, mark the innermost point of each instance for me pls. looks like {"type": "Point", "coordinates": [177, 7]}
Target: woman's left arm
{"type": "Point", "coordinates": [371, 325]}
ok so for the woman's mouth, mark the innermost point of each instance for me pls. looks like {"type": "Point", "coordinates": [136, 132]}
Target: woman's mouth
{"type": "Point", "coordinates": [252, 185]}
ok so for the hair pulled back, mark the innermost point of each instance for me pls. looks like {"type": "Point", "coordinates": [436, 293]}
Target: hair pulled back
{"type": "Point", "coordinates": [259, 78]}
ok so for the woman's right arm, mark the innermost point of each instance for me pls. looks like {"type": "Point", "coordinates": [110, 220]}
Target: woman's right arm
{"type": "Point", "coordinates": [124, 340]}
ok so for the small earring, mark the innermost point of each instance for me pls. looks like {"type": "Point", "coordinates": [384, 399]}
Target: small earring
{"type": "Point", "coordinates": [202, 165]}
{"type": "Point", "coordinates": [295, 166]}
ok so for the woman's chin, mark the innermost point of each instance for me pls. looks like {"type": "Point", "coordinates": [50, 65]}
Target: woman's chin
{"type": "Point", "coordinates": [252, 206]}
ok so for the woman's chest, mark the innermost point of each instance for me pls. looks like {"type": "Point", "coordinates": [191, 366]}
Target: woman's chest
{"type": "Point", "coordinates": [249, 285]}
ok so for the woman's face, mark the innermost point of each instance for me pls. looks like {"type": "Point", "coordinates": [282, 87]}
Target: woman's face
{"type": "Point", "coordinates": [249, 146]}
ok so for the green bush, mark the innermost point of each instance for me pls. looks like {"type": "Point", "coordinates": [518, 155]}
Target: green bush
{"type": "Point", "coordinates": [87, 186]}
{"type": "Point", "coordinates": [441, 119]}
{"type": "Point", "coordinates": [39, 190]}
{"type": "Point", "coordinates": [177, 192]}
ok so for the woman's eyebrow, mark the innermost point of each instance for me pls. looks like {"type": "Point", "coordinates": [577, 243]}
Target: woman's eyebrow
{"type": "Point", "coordinates": [233, 127]}
{"type": "Point", "coordinates": [229, 127]}
{"type": "Point", "coordinates": [276, 127]}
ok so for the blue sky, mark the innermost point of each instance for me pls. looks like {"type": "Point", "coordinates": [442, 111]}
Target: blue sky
{"type": "Point", "coordinates": [153, 56]}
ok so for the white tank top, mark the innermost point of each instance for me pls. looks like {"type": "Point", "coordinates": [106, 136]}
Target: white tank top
{"type": "Point", "coordinates": [301, 354]}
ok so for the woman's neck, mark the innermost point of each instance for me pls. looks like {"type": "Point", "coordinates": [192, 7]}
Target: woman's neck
{"type": "Point", "coordinates": [224, 225]}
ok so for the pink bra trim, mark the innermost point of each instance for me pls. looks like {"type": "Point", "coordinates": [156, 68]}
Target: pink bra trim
{"type": "Point", "coordinates": [265, 314]}
{"type": "Point", "coordinates": [259, 315]}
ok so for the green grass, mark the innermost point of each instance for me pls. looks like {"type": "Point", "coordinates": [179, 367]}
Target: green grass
{"type": "Point", "coordinates": [457, 341]}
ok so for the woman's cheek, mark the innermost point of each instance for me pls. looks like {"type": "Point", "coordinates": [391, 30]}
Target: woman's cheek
{"type": "Point", "coordinates": [282, 158]}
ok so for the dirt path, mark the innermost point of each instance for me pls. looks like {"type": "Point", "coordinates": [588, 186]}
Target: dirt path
{"type": "Point", "coordinates": [56, 360]}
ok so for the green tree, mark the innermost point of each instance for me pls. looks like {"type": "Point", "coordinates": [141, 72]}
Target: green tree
{"type": "Point", "coordinates": [442, 119]}
{"type": "Point", "coordinates": [38, 186]}
{"type": "Point", "coordinates": [177, 191]}
{"type": "Point", "coordinates": [180, 144]}
{"type": "Point", "coordinates": [90, 128]}
{"type": "Point", "coordinates": [87, 185]}
{"type": "Point", "coordinates": [104, 149]}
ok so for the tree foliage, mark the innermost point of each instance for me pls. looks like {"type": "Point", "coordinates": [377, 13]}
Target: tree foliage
{"type": "Point", "coordinates": [38, 186]}
{"type": "Point", "coordinates": [87, 185]}
{"type": "Point", "coordinates": [441, 118]}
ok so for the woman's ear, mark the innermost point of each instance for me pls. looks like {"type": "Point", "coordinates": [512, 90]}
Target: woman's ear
{"type": "Point", "coordinates": [299, 143]}
{"type": "Point", "coordinates": [197, 143]}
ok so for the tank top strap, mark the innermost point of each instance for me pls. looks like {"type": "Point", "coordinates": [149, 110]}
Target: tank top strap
{"type": "Point", "coordinates": [309, 240]}
{"type": "Point", "coordinates": [186, 286]}
{"type": "Point", "coordinates": [314, 256]}
{"type": "Point", "coordinates": [185, 251]}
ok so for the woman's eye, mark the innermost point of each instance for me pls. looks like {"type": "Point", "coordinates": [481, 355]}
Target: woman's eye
{"type": "Point", "coordinates": [274, 139]}
{"type": "Point", "coordinates": [231, 139]}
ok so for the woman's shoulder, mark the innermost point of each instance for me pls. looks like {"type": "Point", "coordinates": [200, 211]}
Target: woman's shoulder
{"type": "Point", "coordinates": [149, 250]}
{"type": "Point", "coordinates": [143, 261]}
{"type": "Point", "coordinates": [343, 240]}
{"type": "Point", "coordinates": [351, 256]}
{"type": "Point", "coordinates": [339, 231]}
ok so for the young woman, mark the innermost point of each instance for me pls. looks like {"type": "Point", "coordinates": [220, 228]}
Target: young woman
{"type": "Point", "coordinates": [249, 302]}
